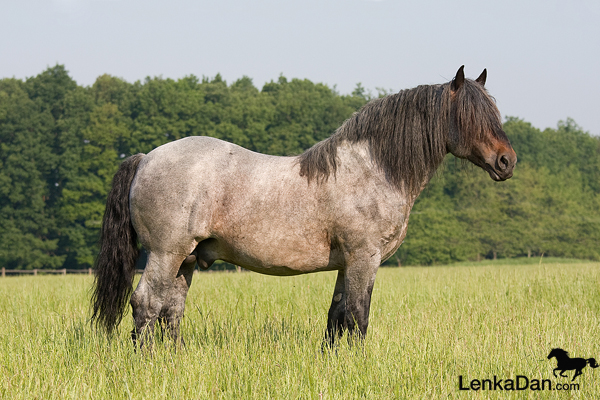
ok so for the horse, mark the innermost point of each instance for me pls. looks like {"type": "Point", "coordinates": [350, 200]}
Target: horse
{"type": "Point", "coordinates": [566, 363]}
{"type": "Point", "coordinates": [342, 205]}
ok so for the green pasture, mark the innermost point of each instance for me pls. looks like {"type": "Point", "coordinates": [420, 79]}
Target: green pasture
{"type": "Point", "coordinates": [259, 337]}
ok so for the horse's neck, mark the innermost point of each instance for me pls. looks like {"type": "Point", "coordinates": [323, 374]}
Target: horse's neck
{"type": "Point", "coordinates": [562, 357]}
{"type": "Point", "coordinates": [357, 157]}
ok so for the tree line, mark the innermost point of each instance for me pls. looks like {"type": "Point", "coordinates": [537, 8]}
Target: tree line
{"type": "Point", "coordinates": [61, 143]}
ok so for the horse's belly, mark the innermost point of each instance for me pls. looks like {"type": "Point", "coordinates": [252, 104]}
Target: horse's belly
{"type": "Point", "coordinates": [276, 257]}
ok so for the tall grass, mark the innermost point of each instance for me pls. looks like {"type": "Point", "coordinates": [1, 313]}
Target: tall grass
{"type": "Point", "coordinates": [253, 336]}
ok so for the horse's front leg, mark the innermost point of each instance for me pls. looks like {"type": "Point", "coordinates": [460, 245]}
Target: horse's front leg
{"type": "Point", "coordinates": [352, 296]}
{"type": "Point", "coordinates": [336, 318]}
{"type": "Point", "coordinates": [360, 278]}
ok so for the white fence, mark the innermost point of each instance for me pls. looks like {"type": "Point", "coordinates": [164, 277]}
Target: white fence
{"type": "Point", "coordinates": [34, 272]}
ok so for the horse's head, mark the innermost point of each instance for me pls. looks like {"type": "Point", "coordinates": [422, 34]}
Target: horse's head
{"type": "Point", "coordinates": [476, 128]}
{"type": "Point", "coordinates": [557, 353]}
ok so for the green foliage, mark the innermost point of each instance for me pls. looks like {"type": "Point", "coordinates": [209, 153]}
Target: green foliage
{"type": "Point", "coordinates": [25, 219]}
{"type": "Point", "coordinates": [61, 143]}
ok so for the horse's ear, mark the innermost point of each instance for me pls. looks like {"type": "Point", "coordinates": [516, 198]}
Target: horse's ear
{"type": "Point", "coordinates": [459, 79]}
{"type": "Point", "coordinates": [482, 78]}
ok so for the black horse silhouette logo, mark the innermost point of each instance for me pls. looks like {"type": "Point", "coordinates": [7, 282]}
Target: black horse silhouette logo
{"type": "Point", "coordinates": [566, 363]}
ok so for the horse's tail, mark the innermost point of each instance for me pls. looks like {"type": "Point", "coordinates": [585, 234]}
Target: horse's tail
{"type": "Point", "coordinates": [592, 362]}
{"type": "Point", "coordinates": [115, 264]}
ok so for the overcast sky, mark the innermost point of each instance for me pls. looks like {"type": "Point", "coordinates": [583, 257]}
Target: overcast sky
{"type": "Point", "coordinates": [542, 56]}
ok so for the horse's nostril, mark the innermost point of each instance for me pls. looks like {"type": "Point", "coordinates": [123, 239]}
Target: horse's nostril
{"type": "Point", "coordinates": [503, 162]}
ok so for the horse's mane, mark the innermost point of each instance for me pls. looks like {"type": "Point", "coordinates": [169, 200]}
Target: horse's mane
{"type": "Point", "coordinates": [407, 132]}
{"type": "Point", "coordinates": [561, 351]}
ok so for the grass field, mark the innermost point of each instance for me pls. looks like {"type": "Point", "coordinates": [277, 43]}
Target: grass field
{"type": "Point", "coordinates": [259, 337]}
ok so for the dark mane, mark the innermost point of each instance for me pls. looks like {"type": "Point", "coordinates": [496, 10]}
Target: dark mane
{"type": "Point", "coordinates": [476, 114]}
{"type": "Point", "coordinates": [407, 132]}
{"type": "Point", "coordinates": [561, 351]}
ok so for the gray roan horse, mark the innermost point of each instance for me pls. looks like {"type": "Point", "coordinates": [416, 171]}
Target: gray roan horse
{"type": "Point", "coordinates": [342, 205]}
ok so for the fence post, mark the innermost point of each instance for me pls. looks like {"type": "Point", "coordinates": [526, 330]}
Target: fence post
{"type": "Point", "coordinates": [89, 271]}
{"type": "Point", "coordinates": [3, 272]}
{"type": "Point", "coordinates": [64, 271]}
{"type": "Point", "coordinates": [34, 272]}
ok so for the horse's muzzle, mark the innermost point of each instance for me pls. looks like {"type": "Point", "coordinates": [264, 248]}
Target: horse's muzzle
{"type": "Point", "coordinates": [504, 165]}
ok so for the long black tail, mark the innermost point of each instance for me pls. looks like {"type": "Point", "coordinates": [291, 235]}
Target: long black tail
{"type": "Point", "coordinates": [115, 264]}
{"type": "Point", "coordinates": [592, 362]}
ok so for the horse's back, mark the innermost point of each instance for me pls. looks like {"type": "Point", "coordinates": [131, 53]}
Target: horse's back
{"type": "Point", "coordinates": [196, 152]}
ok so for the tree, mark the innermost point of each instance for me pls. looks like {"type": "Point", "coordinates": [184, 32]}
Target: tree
{"type": "Point", "coordinates": [84, 194]}
{"type": "Point", "coordinates": [61, 143]}
{"type": "Point", "coordinates": [26, 225]}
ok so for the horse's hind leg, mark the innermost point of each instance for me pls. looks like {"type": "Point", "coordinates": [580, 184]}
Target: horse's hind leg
{"type": "Point", "coordinates": [173, 309]}
{"type": "Point", "coordinates": [154, 293]}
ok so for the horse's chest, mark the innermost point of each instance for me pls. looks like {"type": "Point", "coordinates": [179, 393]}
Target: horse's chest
{"type": "Point", "coordinates": [391, 242]}
{"type": "Point", "coordinates": [393, 236]}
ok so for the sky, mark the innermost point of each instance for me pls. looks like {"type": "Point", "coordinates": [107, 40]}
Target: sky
{"type": "Point", "coordinates": [542, 56]}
